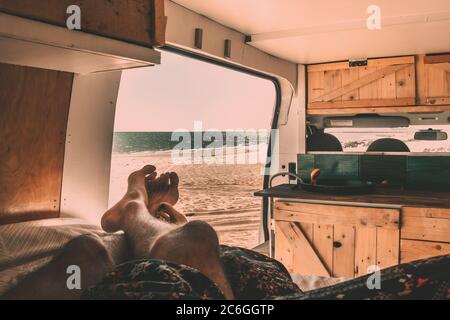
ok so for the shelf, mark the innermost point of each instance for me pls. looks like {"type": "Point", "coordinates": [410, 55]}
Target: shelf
{"type": "Point", "coordinates": [36, 44]}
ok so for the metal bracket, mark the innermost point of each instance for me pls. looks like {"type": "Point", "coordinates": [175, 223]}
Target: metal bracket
{"type": "Point", "coordinates": [357, 63]}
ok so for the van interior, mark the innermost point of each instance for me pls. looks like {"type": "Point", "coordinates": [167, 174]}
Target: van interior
{"type": "Point", "coordinates": [313, 133]}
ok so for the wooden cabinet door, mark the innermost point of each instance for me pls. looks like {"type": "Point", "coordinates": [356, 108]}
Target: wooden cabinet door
{"type": "Point", "coordinates": [434, 79]}
{"type": "Point", "coordinates": [383, 82]}
{"type": "Point", "coordinates": [338, 241]}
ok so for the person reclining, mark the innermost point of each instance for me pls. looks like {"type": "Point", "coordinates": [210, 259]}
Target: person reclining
{"type": "Point", "coordinates": [173, 258]}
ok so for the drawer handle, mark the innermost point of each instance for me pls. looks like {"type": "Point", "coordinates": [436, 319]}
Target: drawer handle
{"type": "Point", "coordinates": [337, 244]}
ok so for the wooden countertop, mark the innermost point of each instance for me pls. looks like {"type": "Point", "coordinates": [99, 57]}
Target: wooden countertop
{"type": "Point", "coordinates": [382, 196]}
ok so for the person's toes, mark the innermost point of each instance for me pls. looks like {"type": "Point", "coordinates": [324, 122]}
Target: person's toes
{"type": "Point", "coordinates": [148, 169]}
{"type": "Point", "coordinates": [174, 180]}
{"type": "Point", "coordinates": [163, 185]}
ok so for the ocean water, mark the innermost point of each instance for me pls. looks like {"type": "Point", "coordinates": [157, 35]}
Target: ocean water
{"type": "Point", "coordinates": [136, 142]}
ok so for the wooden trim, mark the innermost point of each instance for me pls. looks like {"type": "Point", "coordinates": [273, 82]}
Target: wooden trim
{"type": "Point", "coordinates": [372, 77]}
{"type": "Point", "coordinates": [329, 214]}
{"type": "Point", "coordinates": [159, 23]}
{"type": "Point", "coordinates": [437, 213]}
{"type": "Point", "coordinates": [412, 250]}
{"type": "Point", "coordinates": [366, 103]}
{"type": "Point", "coordinates": [376, 62]}
{"type": "Point", "coordinates": [398, 109]}
{"type": "Point", "coordinates": [430, 229]}
{"type": "Point", "coordinates": [421, 80]}
{"type": "Point", "coordinates": [437, 59]}
{"type": "Point", "coordinates": [438, 100]}
{"type": "Point", "coordinates": [303, 250]}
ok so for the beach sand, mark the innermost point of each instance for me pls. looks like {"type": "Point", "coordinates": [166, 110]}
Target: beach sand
{"type": "Point", "coordinates": [219, 194]}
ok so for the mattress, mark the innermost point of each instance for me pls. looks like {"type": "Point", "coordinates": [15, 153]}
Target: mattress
{"type": "Point", "coordinates": [310, 282]}
{"type": "Point", "coordinates": [27, 246]}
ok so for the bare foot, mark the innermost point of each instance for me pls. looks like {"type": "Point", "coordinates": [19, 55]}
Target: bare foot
{"type": "Point", "coordinates": [113, 218]}
{"type": "Point", "coordinates": [168, 214]}
{"type": "Point", "coordinates": [162, 190]}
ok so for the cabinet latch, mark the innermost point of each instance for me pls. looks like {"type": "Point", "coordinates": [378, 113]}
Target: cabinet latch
{"type": "Point", "coordinates": [357, 63]}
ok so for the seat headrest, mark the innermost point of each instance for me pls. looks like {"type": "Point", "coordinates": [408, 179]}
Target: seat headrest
{"type": "Point", "coordinates": [388, 145]}
{"type": "Point", "coordinates": [323, 142]}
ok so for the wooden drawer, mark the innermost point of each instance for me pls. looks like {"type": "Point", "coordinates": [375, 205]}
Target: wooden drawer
{"type": "Point", "coordinates": [428, 224]}
{"type": "Point", "coordinates": [412, 250]}
{"type": "Point", "coordinates": [339, 241]}
{"type": "Point", "coordinates": [383, 82]}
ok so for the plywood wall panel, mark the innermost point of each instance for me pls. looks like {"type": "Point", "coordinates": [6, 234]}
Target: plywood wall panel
{"type": "Point", "coordinates": [34, 105]}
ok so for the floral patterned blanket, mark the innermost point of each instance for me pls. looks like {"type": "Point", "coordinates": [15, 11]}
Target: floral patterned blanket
{"type": "Point", "coordinates": [255, 276]}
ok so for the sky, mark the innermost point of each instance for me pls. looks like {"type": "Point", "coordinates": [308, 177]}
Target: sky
{"type": "Point", "coordinates": [182, 90]}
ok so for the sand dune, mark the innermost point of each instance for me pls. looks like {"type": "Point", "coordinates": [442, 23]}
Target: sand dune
{"type": "Point", "coordinates": [221, 195]}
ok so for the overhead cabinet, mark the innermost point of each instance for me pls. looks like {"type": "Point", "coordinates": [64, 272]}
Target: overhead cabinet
{"type": "Point", "coordinates": [379, 83]}
{"type": "Point", "coordinates": [114, 34]}
{"type": "Point", "coordinates": [400, 84]}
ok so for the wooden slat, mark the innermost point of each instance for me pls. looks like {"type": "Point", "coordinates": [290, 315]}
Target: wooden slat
{"type": "Point", "coordinates": [340, 110]}
{"type": "Point", "coordinates": [372, 90]}
{"type": "Point", "coordinates": [406, 82]}
{"type": "Point", "coordinates": [431, 229]}
{"type": "Point", "coordinates": [137, 21]}
{"type": "Point", "coordinates": [323, 244]}
{"type": "Point", "coordinates": [344, 253]}
{"type": "Point", "coordinates": [436, 83]}
{"type": "Point", "coordinates": [308, 230]}
{"type": "Point", "coordinates": [388, 246]}
{"type": "Point", "coordinates": [412, 250]}
{"type": "Point", "coordinates": [421, 79]}
{"type": "Point", "coordinates": [316, 86]}
{"type": "Point", "coordinates": [365, 250]}
{"type": "Point", "coordinates": [388, 87]}
{"type": "Point", "coordinates": [284, 251]}
{"type": "Point", "coordinates": [366, 104]}
{"type": "Point", "coordinates": [332, 82]}
{"type": "Point", "coordinates": [367, 77]}
{"type": "Point", "coordinates": [349, 76]}
{"type": "Point", "coordinates": [437, 213]}
{"type": "Point", "coordinates": [308, 261]}
{"type": "Point", "coordinates": [445, 58]}
{"type": "Point", "coordinates": [328, 214]}
{"type": "Point", "coordinates": [442, 66]}
{"type": "Point", "coordinates": [34, 106]}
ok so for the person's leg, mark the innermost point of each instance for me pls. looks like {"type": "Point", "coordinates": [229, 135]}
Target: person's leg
{"type": "Point", "coordinates": [50, 282]}
{"type": "Point", "coordinates": [194, 244]}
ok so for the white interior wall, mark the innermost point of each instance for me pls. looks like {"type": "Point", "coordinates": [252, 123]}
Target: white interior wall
{"type": "Point", "coordinates": [87, 160]}
{"type": "Point", "coordinates": [181, 26]}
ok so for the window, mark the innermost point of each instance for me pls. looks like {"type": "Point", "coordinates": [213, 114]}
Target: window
{"type": "Point", "coordinates": [219, 120]}
{"type": "Point", "coordinates": [359, 139]}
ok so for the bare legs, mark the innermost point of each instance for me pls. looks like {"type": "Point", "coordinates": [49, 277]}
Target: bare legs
{"type": "Point", "coordinates": [194, 244]}
{"type": "Point", "coordinates": [155, 230]}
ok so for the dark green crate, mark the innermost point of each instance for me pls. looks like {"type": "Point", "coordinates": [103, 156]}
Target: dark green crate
{"type": "Point", "coordinates": [332, 167]}
{"type": "Point", "coordinates": [305, 164]}
{"type": "Point", "coordinates": [377, 169]}
{"type": "Point", "coordinates": [428, 173]}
